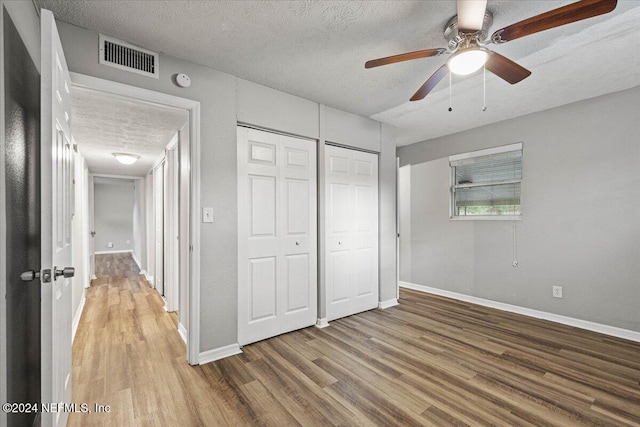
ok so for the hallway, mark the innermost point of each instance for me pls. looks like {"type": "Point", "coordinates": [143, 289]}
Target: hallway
{"type": "Point", "coordinates": [127, 353]}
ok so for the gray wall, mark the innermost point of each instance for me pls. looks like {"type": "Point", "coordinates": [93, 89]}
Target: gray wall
{"type": "Point", "coordinates": [225, 101]}
{"type": "Point", "coordinates": [113, 214]}
{"type": "Point", "coordinates": [580, 204]}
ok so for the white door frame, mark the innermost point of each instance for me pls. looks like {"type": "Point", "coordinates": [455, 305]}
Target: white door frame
{"type": "Point", "coordinates": [158, 173]}
{"type": "Point", "coordinates": [193, 282]}
{"type": "Point", "coordinates": [171, 235]}
{"type": "Point", "coordinates": [92, 242]}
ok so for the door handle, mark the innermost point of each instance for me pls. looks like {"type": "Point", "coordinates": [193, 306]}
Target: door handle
{"type": "Point", "coordinates": [29, 275]}
{"type": "Point", "coordinates": [93, 234]}
{"type": "Point", "coordinates": [67, 272]}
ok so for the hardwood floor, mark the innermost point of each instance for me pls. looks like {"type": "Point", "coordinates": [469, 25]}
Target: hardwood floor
{"type": "Point", "coordinates": [429, 361]}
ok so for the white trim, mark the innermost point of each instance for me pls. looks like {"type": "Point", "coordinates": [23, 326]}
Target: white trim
{"type": "Point", "coordinates": [135, 259]}
{"type": "Point", "coordinates": [486, 152]}
{"type": "Point", "coordinates": [193, 348]}
{"type": "Point", "coordinates": [182, 331]}
{"type": "Point", "coordinates": [565, 320]}
{"type": "Point", "coordinates": [219, 353]}
{"type": "Point", "coordinates": [145, 95]}
{"type": "Point", "coordinates": [322, 323]}
{"type": "Point", "coordinates": [147, 277]}
{"type": "Point", "coordinates": [118, 251]}
{"type": "Point", "coordinates": [383, 305]}
{"type": "Point", "coordinates": [159, 161]}
{"type": "Point", "coordinates": [76, 318]}
{"type": "Point", "coordinates": [172, 144]}
{"type": "Point", "coordinates": [93, 277]}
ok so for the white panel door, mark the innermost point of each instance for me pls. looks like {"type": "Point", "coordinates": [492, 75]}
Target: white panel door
{"type": "Point", "coordinates": [351, 231]}
{"type": "Point", "coordinates": [277, 234]}
{"type": "Point", "coordinates": [56, 158]}
{"type": "Point", "coordinates": [158, 211]}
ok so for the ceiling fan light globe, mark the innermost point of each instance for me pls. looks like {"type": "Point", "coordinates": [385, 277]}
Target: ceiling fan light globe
{"type": "Point", "coordinates": [125, 158]}
{"type": "Point", "coordinates": [467, 61]}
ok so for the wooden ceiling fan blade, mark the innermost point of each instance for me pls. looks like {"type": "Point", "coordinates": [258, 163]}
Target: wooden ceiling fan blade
{"type": "Point", "coordinates": [404, 57]}
{"type": "Point", "coordinates": [554, 18]}
{"type": "Point", "coordinates": [506, 69]}
{"type": "Point", "coordinates": [431, 83]}
{"type": "Point", "coordinates": [471, 15]}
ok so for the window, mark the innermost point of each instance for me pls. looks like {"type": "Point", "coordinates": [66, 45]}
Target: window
{"type": "Point", "coordinates": [485, 184]}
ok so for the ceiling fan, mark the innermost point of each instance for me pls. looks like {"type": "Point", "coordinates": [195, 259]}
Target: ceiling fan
{"type": "Point", "coordinates": [467, 36]}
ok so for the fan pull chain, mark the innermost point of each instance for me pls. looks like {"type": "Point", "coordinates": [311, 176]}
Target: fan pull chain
{"type": "Point", "coordinates": [484, 88]}
{"type": "Point", "coordinates": [450, 76]}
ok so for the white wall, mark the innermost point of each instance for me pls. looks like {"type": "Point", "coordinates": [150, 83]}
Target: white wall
{"type": "Point", "coordinates": [113, 201]}
{"type": "Point", "coordinates": [580, 204]}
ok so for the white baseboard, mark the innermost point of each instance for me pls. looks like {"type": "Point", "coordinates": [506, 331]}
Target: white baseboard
{"type": "Point", "coordinates": [77, 316]}
{"type": "Point", "coordinates": [388, 303]}
{"type": "Point", "coordinates": [135, 259]}
{"type": "Point", "coordinates": [322, 323]}
{"type": "Point", "coordinates": [147, 277]}
{"type": "Point", "coordinates": [565, 320]}
{"type": "Point", "coordinates": [119, 251]}
{"type": "Point", "coordinates": [218, 353]}
{"type": "Point", "coordinates": [94, 277]}
{"type": "Point", "coordinates": [183, 332]}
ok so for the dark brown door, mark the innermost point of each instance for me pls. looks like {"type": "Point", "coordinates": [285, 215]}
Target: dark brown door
{"type": "Point", "coordinates": [22, 169]}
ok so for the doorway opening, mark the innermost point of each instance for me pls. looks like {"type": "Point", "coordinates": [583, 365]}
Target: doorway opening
{"type": "Point", "coordinates": [153, 201]}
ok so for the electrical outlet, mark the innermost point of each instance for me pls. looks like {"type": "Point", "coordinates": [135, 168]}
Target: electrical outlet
{"type": "Point", "coordinates": [110, 245]}
{"type": "Point", "coordinates": [557, 291]}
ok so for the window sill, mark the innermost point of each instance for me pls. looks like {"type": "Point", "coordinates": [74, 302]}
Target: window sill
{"type": "Point", "coordinates": [487, 218]}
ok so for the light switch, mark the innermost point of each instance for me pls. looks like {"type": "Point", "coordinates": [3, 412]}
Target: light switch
{"type": "Point", "coordinates": [207, 214]}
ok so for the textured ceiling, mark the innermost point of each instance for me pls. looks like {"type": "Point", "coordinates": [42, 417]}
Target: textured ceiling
{"type": "Point", "coordinates": [316, 49]}
{"type": "Point", "coordinates": [104, 124]}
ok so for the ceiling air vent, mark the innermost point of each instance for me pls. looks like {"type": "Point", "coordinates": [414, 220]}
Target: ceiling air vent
{"type": "Point", "coordinates": [125, 56]}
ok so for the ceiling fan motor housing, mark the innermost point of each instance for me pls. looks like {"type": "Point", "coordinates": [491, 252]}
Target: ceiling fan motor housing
{"type": "Point", "coordinates": [454, 38]}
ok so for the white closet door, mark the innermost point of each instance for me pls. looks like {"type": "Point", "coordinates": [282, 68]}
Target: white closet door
{"type": "Point", "coordinates": [351, 231]}
{"type": "Point", "coordinates": [277, 234]}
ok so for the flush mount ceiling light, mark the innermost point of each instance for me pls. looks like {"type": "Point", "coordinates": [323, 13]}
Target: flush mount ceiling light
{"type": "Point", "coordinates": [467, 61]}
{"type": "Point", "coordinates": [126, 158]}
